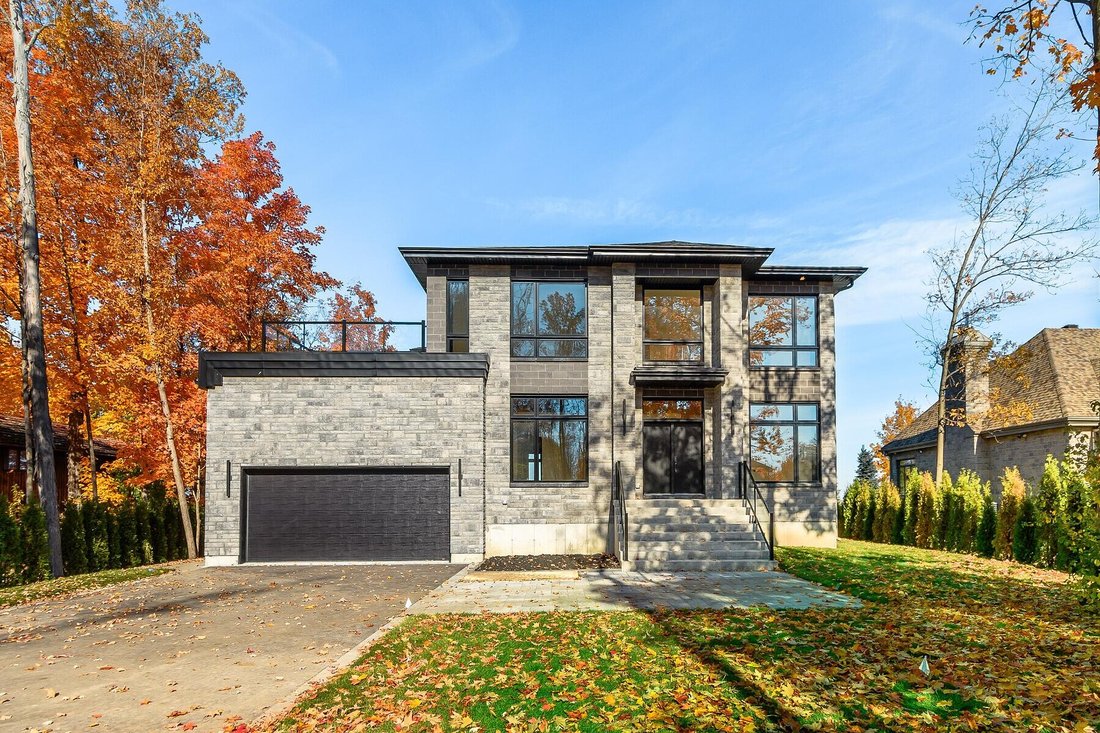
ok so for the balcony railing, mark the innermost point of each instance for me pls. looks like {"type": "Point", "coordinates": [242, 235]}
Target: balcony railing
{"type": "Point", "coordinates": [359, 336]}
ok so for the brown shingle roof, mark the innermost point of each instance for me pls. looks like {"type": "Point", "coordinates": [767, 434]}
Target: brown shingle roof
{"type": "Point", "coordinates": [1056, 375]}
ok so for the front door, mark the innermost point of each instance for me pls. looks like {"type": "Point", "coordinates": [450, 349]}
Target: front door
{"type": "Point", "coordinates": [672, 446]}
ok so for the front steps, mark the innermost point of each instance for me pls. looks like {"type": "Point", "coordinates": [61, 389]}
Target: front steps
{"type": "Point", "coordinates": [694, 535]}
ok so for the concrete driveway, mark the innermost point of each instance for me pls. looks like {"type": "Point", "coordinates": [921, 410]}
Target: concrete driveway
{"type": "Point", "coordinates": [196, 649]}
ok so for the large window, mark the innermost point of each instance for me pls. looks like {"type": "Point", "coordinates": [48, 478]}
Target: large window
{"type": "Point", "coordinates": [782, 331]}
{"type": "Point", "coordinates": [458, 316]}
{"type": "Point", "coordinates": [549, 439]}
{"type": "Point", "coordinates": [785, 442]}
{"type": "Point", "coordinates": [673, 325]}
{"type": "Point", "coordinates": [550, 320]}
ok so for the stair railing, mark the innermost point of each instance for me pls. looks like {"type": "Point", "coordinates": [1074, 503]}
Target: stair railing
{"type": "Point", "coordinates": [750, 492]}
{"type": "Point", "coordinates": [618, 509]}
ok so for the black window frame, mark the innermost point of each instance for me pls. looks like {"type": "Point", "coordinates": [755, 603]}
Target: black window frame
{"type": "Point", "coordinates": [536, 337]}
{"type": "Point", "coordinates": [794, 422]}
{"type": "Point", "coordinates": [453, 336]}
{"type": "Point", "coordinates": [794, 348]}
{"type": "Point", "coordinates": [536, 418]}
{"type": "Point", "coordinates": [666, 342]}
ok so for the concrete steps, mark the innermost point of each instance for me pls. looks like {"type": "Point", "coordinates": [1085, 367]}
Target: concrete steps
{"type": "Point", "coordinates": [694, 535]}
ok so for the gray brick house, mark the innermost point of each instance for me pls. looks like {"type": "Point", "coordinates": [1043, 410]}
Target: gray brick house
{"type": "Point", "coordinates": [705, 375]}
{"type": "Point", "coordinates": [1038, 401]}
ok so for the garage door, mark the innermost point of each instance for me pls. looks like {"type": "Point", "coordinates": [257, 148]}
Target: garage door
{"type": "Point", "coordinates": [346, 514]}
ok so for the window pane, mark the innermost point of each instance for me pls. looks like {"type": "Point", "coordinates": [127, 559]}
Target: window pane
{"type": "Point", "coordinates": [771, 452]}
{"type": "Point", "coordinates": [805, 327]}
{"type": "Point", "coordinates": [562, 309]}
{"type": "Point", "coordinates": [564, 348]}
{"type": "Point", "coordinates": [774, 357]}
{"type": "Point", "coordinates": [807, 358]}
{"type": "Point", "coordinates": [674, 315]}
{"type": "Point", "coordinates": [807, 453]}
{"type": "Point", "coordinates": [807, 413]}
{"type": "Point", "coordinates": [523, 406]}
{"type": "Point", "coordinates": [574, 406]}
{"type": "Point", "coordinates": [458, 346]}
{"type": "Point", "coordinates": [523, 311]}
{"type": "Point", "coordinates": [458, 307]}
{"type": "Point", "coordinates": [672, 352]}
{"type": "Point", "coordinates": [549, 406]}
{"type": "Point", "coordinates": [524, 465]}
{"type": "Point", "coordinates": [771, 412]}
{"type": "Point", "coordinates": [523, 347]}
{"type": "Point", "coordinates": [564, 450]}
{"type": "Point", "coordinates": [672, 409]}
{"type": "Point", "coordinates": [770, 321]}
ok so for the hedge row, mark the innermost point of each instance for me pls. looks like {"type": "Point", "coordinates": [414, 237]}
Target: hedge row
{"type": "Point", "coordinates": [1056, 526]}
{"type": "Point", "coordinates": [94, 536]}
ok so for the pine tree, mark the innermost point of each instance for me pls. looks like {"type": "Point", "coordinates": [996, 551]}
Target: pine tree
{"type": "Point", "coordinates": [865, 466]}
{"type": "Point", "coordinates": [987, 528]}
{"type": "Point", "coordinates": [1013, 491]}
{"type": "Point", "coordinates": [73, 547]}
{"type": "Point", "coordinates": [1025, 537]}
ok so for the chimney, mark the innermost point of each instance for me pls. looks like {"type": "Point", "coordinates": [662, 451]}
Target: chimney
{"type": "Point", "coordinates": [1070, 325]}
{"type": "Point", "coordinates": [968, 373]}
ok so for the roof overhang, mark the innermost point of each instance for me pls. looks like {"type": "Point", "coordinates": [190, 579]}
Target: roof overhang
{"type": "Point", "coordinates": [214, 366]}
{"type": "Point", "coordinates": [841, 277]}
{"type": "Point", "coordinates": [1062, 423]}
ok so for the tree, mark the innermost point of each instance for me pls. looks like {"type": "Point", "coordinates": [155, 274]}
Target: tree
{"type": "Point", "coordinates": [1012, 240]}
{"type": "Point", "coordinates": [865, 466]}
{"type": "Point", "coordinates": [902, 417]}
{"type": "Point", "coordinates": [1021, 30]}
{"type": "Point", "coordinates": [1013, 491]}
{"type": "Point", "coordinates": [31, 311]}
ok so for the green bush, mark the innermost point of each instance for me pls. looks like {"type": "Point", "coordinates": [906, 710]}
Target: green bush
{"type": "Point", "coordinates": [1025, 537]}
{"type": "Point", "coordinates": [928, 512]}
{"type": "Point", "coordinates": [129, 545]}
{"type": "Point", "coordinates": [36, 545]}
{"type": "Point", "coordinates": [858, 500]}
{"type": "Point", "coordinates": [887, 506]}
{"type": "Point", "coordinates": [987, 527]}
{"type": "Point", "coordinates": [969, 502]}
{"type": "Point", "coordinates": [897, 535]}
{"type": "Point", "coordinates": [95, 525]}
{"type": "Point", "coordinates": [170, 520]}
{"type": "Point", "coordinates": [74, 550]}
{"type": "Point", "coordinates": [944, 512]}
{"type": "Point", "coordinates": [11, 546]}
{"type": "Point", "coordinates": [1050, 504]}
{"type": "Point", "coordinates": [912, 508]}
{"type": "Point", "coordinates": [1013, 491]}
{"type": "Point", "coordinates": [114, 541]}
{"type": "Point", "coordinates": [143, 523]}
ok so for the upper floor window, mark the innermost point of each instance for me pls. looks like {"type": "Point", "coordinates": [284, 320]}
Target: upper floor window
{"type": "Point", "coordinates": [783, 331]}
{"type": "Point", "coordinates": [549, 438]}
{"type": "Point", "coordinates": [550, 320]}
{"type": "Point", "coordinates": [785, 442]}
{"type": "Point", "coordinates": [458, 316]}
{"type": "Point", "coordinates": [673, 325]}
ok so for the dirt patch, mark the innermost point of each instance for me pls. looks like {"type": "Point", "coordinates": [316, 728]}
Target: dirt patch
{"type": "Point", "coordinates": [512, 563]}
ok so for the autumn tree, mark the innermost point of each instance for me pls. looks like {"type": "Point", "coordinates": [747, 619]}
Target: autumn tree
{"type": "Point", "coordinates": [902, 417]}
{"type": "Point", "coordinates": [1013, 240]}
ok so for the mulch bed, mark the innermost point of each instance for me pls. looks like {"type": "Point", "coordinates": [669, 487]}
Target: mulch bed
{"type": "Point", "coordinates": [550, 562]}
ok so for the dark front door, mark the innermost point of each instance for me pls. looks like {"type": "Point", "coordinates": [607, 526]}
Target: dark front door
{"type": "Point", "coordinates": [319, 514]}
{"type": "Point", "coordinates": [672, 447]}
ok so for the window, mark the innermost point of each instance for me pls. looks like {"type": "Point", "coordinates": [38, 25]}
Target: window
{"type": "Point", "coordinates": [458, 316]}
{"type": "Point", "coordinates": [673, 325]}
{"type": "Point", "coordinates": [782, 331]}
{"type": "Point", "coordinates": [784, 442]}
{"type": "Point", "coordinates": [550, 320]}
{"type": "Point", "coordinates": [549, 439]}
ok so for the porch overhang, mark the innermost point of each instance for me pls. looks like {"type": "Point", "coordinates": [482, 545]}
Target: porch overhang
{"type": "Point", "coordinates": [674, 375]}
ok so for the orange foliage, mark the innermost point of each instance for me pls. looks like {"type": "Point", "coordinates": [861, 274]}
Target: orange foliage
{"type": "Point", "coordinates": [902, 417]}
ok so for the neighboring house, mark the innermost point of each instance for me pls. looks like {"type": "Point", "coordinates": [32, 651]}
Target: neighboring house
{"type": "Point", "coordinates": [1038, 401]}
{"type": "Point", "coordinates": [544, 369]}
{"type": "Point", "coordinates": [13, 460]}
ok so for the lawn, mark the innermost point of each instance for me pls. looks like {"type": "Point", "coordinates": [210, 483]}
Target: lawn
{"type": "Point", "coordinates": [1007, 645]}
{"type": "Point", "coordinates": [75, 583]}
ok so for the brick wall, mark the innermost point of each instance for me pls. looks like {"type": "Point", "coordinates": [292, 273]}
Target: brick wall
{"type": "Point", "coordinates": [341, 421]}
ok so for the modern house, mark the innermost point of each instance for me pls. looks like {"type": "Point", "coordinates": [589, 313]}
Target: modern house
{"type": "Point", "coordinates": [673, 402]}
{"type": "Point", "coordinates": [1038, 401]}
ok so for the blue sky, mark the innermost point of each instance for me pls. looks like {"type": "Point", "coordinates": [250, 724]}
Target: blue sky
{"type": "Point", "coordinates": [833, 132]}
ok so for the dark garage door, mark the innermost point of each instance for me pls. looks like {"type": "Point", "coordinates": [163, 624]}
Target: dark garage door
{"type": "Point", "coordinates": [346, 514]}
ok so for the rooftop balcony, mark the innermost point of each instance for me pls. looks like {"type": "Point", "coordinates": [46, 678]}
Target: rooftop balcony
{"type": "Point", "coordinates": [344, 336]}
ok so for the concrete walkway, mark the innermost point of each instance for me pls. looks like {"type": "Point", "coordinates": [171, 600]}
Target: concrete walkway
{"type": "Point", "coordinates": [613, 590]}
{"type": "Point", "coordinates": [195, 649]}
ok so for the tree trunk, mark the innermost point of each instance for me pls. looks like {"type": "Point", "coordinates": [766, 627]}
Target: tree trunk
{"type": "Point", "coordinates": [32, 306]}
{"type": "Point", "coordinates": [941, 416]}
{"type": "Point", "coordinates": [92, 467]}
{"type": "Point", "coordinates": [162, 392]}
{"type": "Point", "coordinates": [76, 447]}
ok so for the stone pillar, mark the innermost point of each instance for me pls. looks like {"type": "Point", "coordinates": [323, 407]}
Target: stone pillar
{"type": "Point", "coordinates": [731, 344]}
{"type": "Point", "coordinates": [627, 354]}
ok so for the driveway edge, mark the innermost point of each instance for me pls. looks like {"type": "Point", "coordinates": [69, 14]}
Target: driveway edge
{"type": "Point", "coordinates": [282, 706]}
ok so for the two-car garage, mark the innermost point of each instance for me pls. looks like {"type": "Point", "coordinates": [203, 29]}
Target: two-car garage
{"type": "Point", "coordinates": [345, 514]}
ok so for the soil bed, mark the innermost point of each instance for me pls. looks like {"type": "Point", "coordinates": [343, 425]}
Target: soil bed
{"type": "Point", "coordinates": [511, 563]}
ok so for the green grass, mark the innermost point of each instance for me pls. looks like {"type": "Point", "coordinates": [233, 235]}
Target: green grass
{"type": "Point", "coordinates": [1008, 648]}
{"type": "Point", "coordinates": [74, 583]}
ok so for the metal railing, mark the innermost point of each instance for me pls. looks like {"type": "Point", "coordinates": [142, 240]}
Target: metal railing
{"type": "Point", "coordinates": [618, 508]}
{"type": "Point", "coordinates": [360, 336]}
{"type": "Point", "coordinates": [750, 492]}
